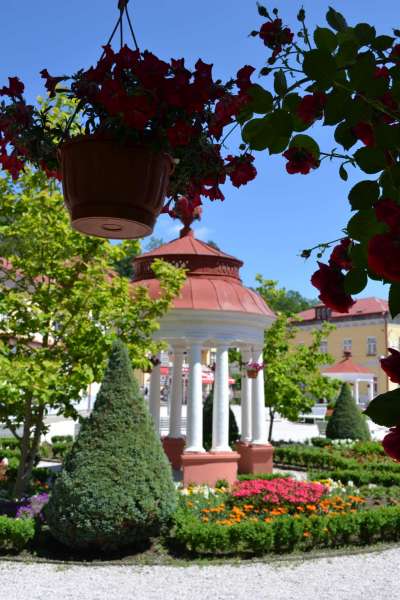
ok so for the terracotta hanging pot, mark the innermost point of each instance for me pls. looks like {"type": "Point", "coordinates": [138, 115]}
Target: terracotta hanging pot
{"type": "Point", "coordinates": [252, 373]}
{"type": "Point", "coordinates": [113, 190]}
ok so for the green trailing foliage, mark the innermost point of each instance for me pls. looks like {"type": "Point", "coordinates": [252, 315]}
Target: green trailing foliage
{"type": "Point", "coordinates": [116, 489]}
{"type": "Point", "coordinates": [346, 421]}
{"type": "Point", "coordinates": [207, 424]}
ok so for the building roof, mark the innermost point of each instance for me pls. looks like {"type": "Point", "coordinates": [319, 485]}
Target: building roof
{"type": "Point", "coordinates": [362, 307]}
{"type": "Point", "coordinates": [213, 279]}
{"type": "Point", "coordinates": [346, 365]}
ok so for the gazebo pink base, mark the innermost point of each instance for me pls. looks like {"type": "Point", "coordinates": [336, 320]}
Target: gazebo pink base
{"type": "Point", "coordinates": [208, 467]}
{"type": "Point", "coordinates": [173, 448]}
{"type": "Point", "coordinates": [255, 458]}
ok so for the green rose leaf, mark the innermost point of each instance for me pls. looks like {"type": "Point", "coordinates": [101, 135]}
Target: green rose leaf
{"type": "Point", "coordinates": [321, 66]}
{"type": "Point", "coordinates": [255, 134]}
{"type": "Point", "coordinates": [363, 225]}
{"type": "Point", "coordinates": [355, 281]}
{"type": "Point", "coordinates": [272, 132]}
{"type": "Point", "coordinates": [336, 20]}
{"type": "Point", "coordinates": [261, 99]}
{"type": "Point", "coordinates": [307, 142]}
{"type": "Point", "coordinates": [325, 39]}
{"type": "Point", "coordinates": [345, 136]}
{"type": "Point", "coordinates": [385, 409]}
{"type": "Point", "coordinates": [364, 194]}
{"type": "Point", "coordinates": [370, 160]}
{"type": "Point", "coordinates": [343, 173]}
{"type": "Point", "coordinates": [394, 299]}
{"type": "Point", "coordinates": [382, 42]}
{"type": "Point", "coordinates": [359, 255]}
{"type": "Point", "coordinates": [280, 83]}
{"type": "Point", "coordinates": [335, 108]}
{"type": "Point", "coordinates": [365, 33]}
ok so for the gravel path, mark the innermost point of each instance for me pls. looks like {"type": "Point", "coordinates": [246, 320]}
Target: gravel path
{"type": "Point", "coordinates": [372, 576]}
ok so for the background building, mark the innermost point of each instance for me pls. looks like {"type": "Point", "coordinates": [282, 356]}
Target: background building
{"type": "Point", "coordinates": [365, 333]}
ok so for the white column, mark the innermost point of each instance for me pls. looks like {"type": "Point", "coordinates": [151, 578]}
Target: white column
{"type": "Point", "coordinates": [194, 437]}
{"type": "Point", "coordinates": [356, 392]}
{"type": "Point", "coordinates": [371, 390]}
{"type": "Point", "coordinates": [245, 404]}
{"type": "Point", "coordinates": [175, 415]}
{"type": "Point", "coordinates": [154, 398]}
{"type": "Point", "coordinates": [259, 424]}
{"type": "Point", "coordinates": [220, 425]}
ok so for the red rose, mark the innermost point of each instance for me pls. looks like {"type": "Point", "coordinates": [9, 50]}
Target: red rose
{"type": "Point", "coordinates": [300, 160]}
{"type": "Point", "coordinates": [391, 365]}
{"type": "Point", "coordinates": [180, 134]}
{"type": "Point", "coordinates": [365, 133]}
{"type": "Point", "coordinates": [388, 211]}
{"type": "Point", "coordinates": [384, 256]}
{"type": "Point", "coordinates": [391, 443]}
{"type": "Point", "coordinates": [381, 72]}
{"type": "Point", "coordinates": [240, 169]}
{"type": "Point", "coordinates": [243, 77]}
{"type": "Point", "coordinates": [15, 88]}
{"type": "Point", "coordinates": [330, 282]}
{"type": "Point", "coordinates": [274, 36]}
{"type": "Point", "coordinates": [311, 107]}
{"type": "Point", "coordinates": [213, 193]}
{"type": "Point", "coordinates": [340, 255]}
{"type": "Point", "coordinates": [395, 53]}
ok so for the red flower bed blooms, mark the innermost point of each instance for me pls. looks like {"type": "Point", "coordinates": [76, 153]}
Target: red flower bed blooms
{"type": "Point", "coordinates": [281, 491]}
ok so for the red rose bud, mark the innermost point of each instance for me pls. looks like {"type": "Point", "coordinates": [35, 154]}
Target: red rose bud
{"type": "Point", "coordinates": [311, 107]}
{"type": "Point", "coordinates": [340, 255]}
{"type": "Point", "coordinates": [391, 365]}
{"type": "Point", "coordinates": [365, 133]}
{"type": "Point", "coordinates": [240, 169]}
{"type": "Point", "coordinates": [300, 160]}
{"type": "Point", "coordinates": [330, 282]}
{"type": "Point", "coordinates": [384, 256]}
{"type": "Point", "coordinates": [391, 443]}
{"type": "Point", "coordinates": [388, 211]}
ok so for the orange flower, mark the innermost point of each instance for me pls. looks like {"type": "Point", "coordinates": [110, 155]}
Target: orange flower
{"type": "Point", "coordinates": [306, 534]}
{"type": "Point", "coordinates": [311, 507]}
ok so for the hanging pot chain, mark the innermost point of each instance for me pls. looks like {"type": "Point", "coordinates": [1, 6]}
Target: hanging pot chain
{"type": "Point", "coordinates": [123, 10]}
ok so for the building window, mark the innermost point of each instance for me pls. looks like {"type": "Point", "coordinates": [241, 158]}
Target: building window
{"type": "Point", "coordinates": [347, 344]}
{"type": "Point", "coordinates": [323, 346]}
{"type": "Point", "coordinates": [371, 346]}
{"type": "Point", "coordinates": [322, 313]}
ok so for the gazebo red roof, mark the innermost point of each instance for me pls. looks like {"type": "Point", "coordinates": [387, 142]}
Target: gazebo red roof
{"type": "Point", "coordinates": [346, 365]}
{"type": "Point", "coordinates": [213, 280]}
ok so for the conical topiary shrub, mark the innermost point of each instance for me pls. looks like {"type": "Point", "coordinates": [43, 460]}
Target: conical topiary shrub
{"type": "Point", "coordinates": [347, 422]}
{"type": "Point", "coordinates": [207, 423]}
{"type": "Point", "coordinates": [116, 488]}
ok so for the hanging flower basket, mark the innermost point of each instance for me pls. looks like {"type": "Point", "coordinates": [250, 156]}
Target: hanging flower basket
{"type": "Point", "coordinates": [113, 189]}
{"type": "Point", "coordinates": [252, 370]}
{"type": "Point", "coordinates": [123, 124]}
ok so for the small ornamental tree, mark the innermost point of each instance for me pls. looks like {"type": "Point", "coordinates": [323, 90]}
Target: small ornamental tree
{"type": "Point", "coordinates": [116, 488]}
{"type": "Point", "coordinates": [207, 423]}
{"type": "Point", "coordinates": [61, 303]}
{"type": "Point", "coordinates": [346, 421]}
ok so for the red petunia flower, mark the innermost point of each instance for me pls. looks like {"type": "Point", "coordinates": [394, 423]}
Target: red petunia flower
{"type": "Point", "coordinates": [15, 88]}
{"type": "Point", "coordinates": [180, 134]}
{"type": "Point", "coordinates": [51, 82]}
{"type": "Point", "coordinates": [300, 160]}
{"type": "Point", "coordinates": [311, 107]}
{"type": "Point", "coordinates": [240, 169]}
{"type": "Point", "coordinates": [384, 256]}
{"type": "Point", "coordinates": [330, 282]}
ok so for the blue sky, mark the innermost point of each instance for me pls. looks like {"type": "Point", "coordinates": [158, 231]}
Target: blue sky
{"type": "Point", "coordinates": [265, 223]}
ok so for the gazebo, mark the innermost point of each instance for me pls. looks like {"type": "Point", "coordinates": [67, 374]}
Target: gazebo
{"type": "Point", "coordinates": [348, 371]}
{"type": "Point", "coordinates": [214, 311]}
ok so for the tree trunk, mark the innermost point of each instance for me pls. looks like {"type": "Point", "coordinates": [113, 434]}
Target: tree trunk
{"type": "Point", "coordinates": [271, 423]}
{"type": "Point", "coordinates": [29, 449]}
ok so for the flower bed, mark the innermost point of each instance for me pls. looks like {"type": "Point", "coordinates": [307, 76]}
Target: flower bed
{"type": "Point", "coordinates": [281, 515]}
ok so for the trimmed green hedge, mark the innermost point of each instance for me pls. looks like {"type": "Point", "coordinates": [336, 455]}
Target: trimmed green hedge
{"type": "Point", "coordinates": [15, 534]}
{"type": "Point", "coordinates": [285, 534]}
{"type": "Point", "coordinates": [267, 476]}
{"type": "Point", "coordinates": [360, 476]}
{"type": "Point", "coordinates": [9, 443]}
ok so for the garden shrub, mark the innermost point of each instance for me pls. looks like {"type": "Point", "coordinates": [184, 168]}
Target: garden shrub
{"type": "Point", "coordinates": [360, 476]}
{"type": "Point", "coordinates": [15, 534]}
{"type": "Point", "coordinates": [346, 421]}
{"type": "Point", "coordinates": [62, 438]}
{"type": "Point", "coordinates": [207, 424]}
{"type": "Point", "coordinates": [116, 488]}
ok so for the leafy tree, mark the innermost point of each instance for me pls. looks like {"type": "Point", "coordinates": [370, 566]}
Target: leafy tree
{"type": "Point", "coordinates": [125, 254]}
{"type": "Point", "coordinates": [208, 419]}
{"type": "Point", "coordinates": [293, 381]}
{"type": "Point", "coordinates": [153, 243]}
{"type": "Point", "coordinates": [61, 306]}
{"type": "Point", "coordinates": [213, 245]}
{"type": "Point", "coordinates": [116, 488]}
{"type": "Point", "coordinates": [347, 422]}
{"type": "Point", "coordinates": [282, 300]}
